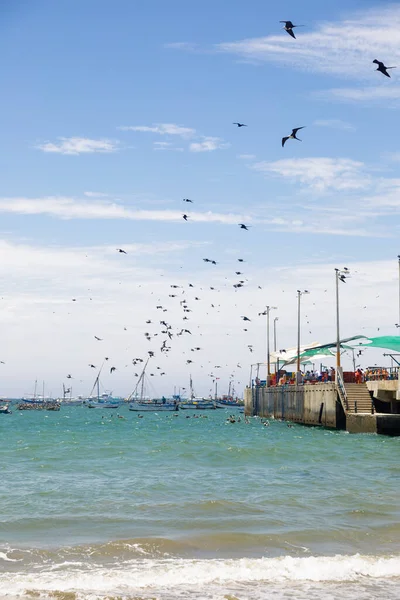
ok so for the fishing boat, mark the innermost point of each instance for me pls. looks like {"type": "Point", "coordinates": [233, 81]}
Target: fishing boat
{"type": "Point", "coordinates": [104, 400]}
{"type": "Point", "coordinates": [194, 403]}
{"type": "Point", "coordinates": [142, 404]}
{"type": "Point", "coordinates": [4, 410]}
{"type": "Point", "coordinates": [227, 401]}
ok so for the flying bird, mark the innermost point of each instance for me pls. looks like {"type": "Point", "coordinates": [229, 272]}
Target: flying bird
{"type": "Point", "coordinates": [121, 251]}
{"type": "Point", "coordinates": [69, 376]}
{"type": "Point", "coordinates": [289, 27]}
{"type": "Point", "coordinates": [187, 200]}
{"type": "Point", "coordinates": [245, 318]}
{"type": "Point", "coordinates": [381, 67]}
{"type": "Point", "coordinates": [113, 369]}
{"type": "Point", "coordinates": [92, 366]}
{"type": "Point", "coordinates": [239, 124]}
{"type": "Point", "coordinates": [292, 136]}
{"type": "Point", "coordinates": [243, 226]}
{"type": "Point", "coordinates": [97, 338]}
{"type": "Point", "coordinates": [185, 217]}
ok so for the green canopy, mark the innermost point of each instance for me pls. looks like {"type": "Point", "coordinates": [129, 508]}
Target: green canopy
{"type": "Point", "coordinates": [389, 342]}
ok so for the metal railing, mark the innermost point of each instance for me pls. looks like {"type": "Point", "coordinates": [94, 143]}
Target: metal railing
{"type": "Point", "coordinates": [341, 387]}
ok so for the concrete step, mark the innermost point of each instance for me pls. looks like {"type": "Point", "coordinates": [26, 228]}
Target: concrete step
{"type": "Point", "coordinates": [357, 393]}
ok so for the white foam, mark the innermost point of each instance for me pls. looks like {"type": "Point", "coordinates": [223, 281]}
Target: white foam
{"type": "Point", "coordinates": [172, 573]}
{"type": "Point", "coordinates": [4, 556]}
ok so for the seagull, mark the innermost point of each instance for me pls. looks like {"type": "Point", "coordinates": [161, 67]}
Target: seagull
{"type": "Point", "coordinates": [69, 376]}
{"type": "Point", "coordinates": [113, 369]}
{"type": "Point", "coordinates": [187, 200]}
{"type": "Point", "coordinates": [245, 318]}
{"type": "Point", "coordinates": [242, 226]}
{"type": "Point", "coordinates": [97, 338]}
{"type": "Point", "coordinates": [289, 27]}
{"type": "Point", "coordinates": [381, 67]}
{"type": "Point", "coordinates": [240, 260]}
{"type": "Point", "coordinates": [121, 251]}
{"type": "Point", "coordinates": [239, 124]}
{"type": "Point", "coordinates": [292, 136]}
{"type": "Point", "coordinates": [185, 217]}
{"type": "Point", "coordinates": [92, 366]}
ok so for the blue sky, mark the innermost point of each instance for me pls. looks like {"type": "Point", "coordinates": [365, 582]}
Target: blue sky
{"type": "Point", "coordinates": [113, 112]}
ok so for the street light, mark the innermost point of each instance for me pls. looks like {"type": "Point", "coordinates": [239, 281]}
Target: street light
{"type": "Point", "coordinates": [267, 310]}
{"type": "Point", "coordinates": [399, 287]}
{"type": "Point", "coordinates": [340, 275]}
{"type": "Point", "coordinates": [275, 320]}
{"type": "Point", "coordinates": [299, 295]}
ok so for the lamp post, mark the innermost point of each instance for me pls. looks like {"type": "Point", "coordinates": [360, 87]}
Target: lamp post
{"type": "Point", "coordinates": [299, 295]}
{"type": "Point", "coordinates": [267, 310]}
{"type": "Point", "coordinates": [399, 290]}
{"type": "Point", "coordinates": [275, 320]}
{"type": "Point", "coordinates": [340, 275]}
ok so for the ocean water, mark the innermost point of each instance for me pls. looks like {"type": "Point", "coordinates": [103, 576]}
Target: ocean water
{"type": "Point", "coordinates": [93, 506]}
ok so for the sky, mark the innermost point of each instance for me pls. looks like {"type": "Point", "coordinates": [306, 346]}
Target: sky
{"type": "Point", "coordinates": [114, 112]}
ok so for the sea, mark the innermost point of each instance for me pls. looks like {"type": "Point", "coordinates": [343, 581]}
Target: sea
{"type": "Point", "coordinates": [98, 504]}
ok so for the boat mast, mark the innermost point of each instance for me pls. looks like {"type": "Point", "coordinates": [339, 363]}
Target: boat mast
{"type": "Point", "coordinates": [140, 380]}
{"type": "Point", "coordinates": [34, 393]}
{"type": "Point", "coordinates": [216, 388]}
{"type": "Point", "coordinates": [191, 388]}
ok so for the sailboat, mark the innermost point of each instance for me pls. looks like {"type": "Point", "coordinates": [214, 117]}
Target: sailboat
{"type": "Point", "coordinates": [196, 403]}
{"type": "Point", "coordinates": [155, 405]}
{"type": "Point", "coordinates": [104, 400]}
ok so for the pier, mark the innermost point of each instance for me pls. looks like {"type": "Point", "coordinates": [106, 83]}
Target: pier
{"type": "Point", "coordinates": [370, 407]}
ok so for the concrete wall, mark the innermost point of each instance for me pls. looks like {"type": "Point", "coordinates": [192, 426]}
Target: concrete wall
{"type": "Point", "coordinates": [308, 404]}
{"type": "Point", "coordinates": [361, 423]}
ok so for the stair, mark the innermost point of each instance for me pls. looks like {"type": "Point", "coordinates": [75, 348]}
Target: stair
{"type": "Point", "coordinates": [358, 395]}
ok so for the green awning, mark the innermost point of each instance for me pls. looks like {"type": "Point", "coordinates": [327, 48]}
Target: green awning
{"type": "Point", "coordinates": [388, 342]}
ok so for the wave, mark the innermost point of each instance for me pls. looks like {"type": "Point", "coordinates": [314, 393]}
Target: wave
{"type": "Point", "coordinates": [145, 575]}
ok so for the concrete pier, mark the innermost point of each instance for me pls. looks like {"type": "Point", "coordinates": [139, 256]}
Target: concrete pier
{"type": "Point", "coordinates": [354, 408]}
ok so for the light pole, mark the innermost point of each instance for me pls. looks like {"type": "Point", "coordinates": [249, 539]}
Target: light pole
{"type": "Point", "coordinates": [275, 320]}
{"type": "Point", "coordinates": [267, 310]}
{"type": "Point", "coordinates": [340, 275]}
{"type": "Point", "coordinates": [399, 290]}
{"type": "Point", "coordinates": [299, 295]}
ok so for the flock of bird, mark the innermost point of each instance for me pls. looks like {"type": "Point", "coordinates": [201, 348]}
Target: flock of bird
{"type": "Point", "coordinates": [166, 333]}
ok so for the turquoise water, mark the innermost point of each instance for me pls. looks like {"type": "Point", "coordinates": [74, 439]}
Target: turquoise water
{"type": "Point", "coordinates": [95, 506]}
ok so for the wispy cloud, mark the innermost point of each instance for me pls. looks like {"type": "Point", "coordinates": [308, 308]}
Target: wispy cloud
{"type": "Point", "coordinates": [319, 173]}
{"type": "Point", "coordinates": [366, 95]}
{"type": "Point", "coordinates": [95, 195]}
{"type": "Point", "coordinates": [78, 145]}
{"type": "Point", "coordinates": [247, 156]}
{"type": "Point", "coordinates": [334, 124]}
{"type": "Point", "coordinates": [70, 208]}
{"type": "Point", "coordinates": [162, 129]}
{"type": "Point", "coordinates": [341, 48]}
{"type": "Point", "coordinates": [188, 46]}
{"type": "Point", "coordinates": [208, 145]}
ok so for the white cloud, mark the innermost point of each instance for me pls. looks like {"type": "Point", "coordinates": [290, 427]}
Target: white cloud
{"type": "Point", "coordinates": [95, 195]}
{"type": "Point", "coordinates": [247, 156]}
{"type": "Point", "coordinates": [346, 47]}
{"type": "Point", "coordinates": [334, 124]}
{"type": "Point", "coordinates": [364, 95]}
{"type": "Point", "coordinates": [189, 46]}
{"type": "Point", "coordinates": [70, 208]}
{"type": "Point", "coordinates": [78, 145]}
{"type": "Point", "coordinates": [209, 144]}
{"type": "Point", "coordinates": [162, 129]}
{"type": "Point", "coordinates": [320, 173]}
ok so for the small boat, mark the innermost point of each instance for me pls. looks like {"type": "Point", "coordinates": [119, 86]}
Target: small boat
{"type": "Point", "coordinates": [155, 405]}
{"type": "Point", "coordinates": [4, 410]}
{"type": "Point", "coordinates": [104, 400]}
{"type": "Point", "coordinates": [142, 404]}
{"type": "Point", "coordinates": [200, 404]}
